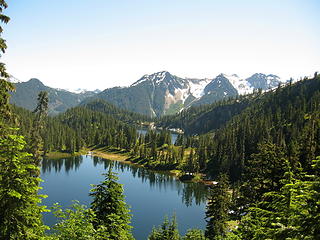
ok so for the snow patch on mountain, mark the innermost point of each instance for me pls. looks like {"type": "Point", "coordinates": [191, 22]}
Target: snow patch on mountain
{"type": "Point", "coordinates": [80, 90]}
{"type": "Point", "coordinates": [240, 84]}
{"type": "Point", "coordinates": [155, 78]}
{"type": "Point", "coordinates": [197, 87]}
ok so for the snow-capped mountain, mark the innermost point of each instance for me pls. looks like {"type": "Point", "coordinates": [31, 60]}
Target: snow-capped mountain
{"type": "Point", "coordinates": [225, 85]}
{"type": "Point", "coordinates": [176, 90]}
{"type": "Point", "coordinates": [154, 94]}
{"type": "Point", "coordinates": [82, 90]}
{"type": "Point", "coordinates": [241, 85]}
{"type": "Point", "coordinates": [176, 85]}
{"type": "Point", "coordinates": [163, 93]}
{"type": "Point", "coordinates": [263, 81]}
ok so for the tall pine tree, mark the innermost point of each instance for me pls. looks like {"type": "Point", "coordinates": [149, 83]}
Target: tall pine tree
{"type": "Point", "coordinates": [112, 213]}
{"type": "Point", "coordinates": [217, 209]}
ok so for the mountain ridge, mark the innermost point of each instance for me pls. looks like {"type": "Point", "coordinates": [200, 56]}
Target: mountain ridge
{"type": "Point", "coordinates": [60, 100]}
{"type": "Point", "coordinates": [154, 95]}
{"type": "Point", "coordinates": [163, 93]}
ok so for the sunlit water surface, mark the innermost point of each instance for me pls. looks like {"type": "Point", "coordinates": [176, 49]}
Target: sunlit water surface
{"type": "Point", "coordinates": [151, 195]}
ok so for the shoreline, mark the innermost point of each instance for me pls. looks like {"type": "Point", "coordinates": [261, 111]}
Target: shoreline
{"type": "Point", "coordinates": [125, 158]}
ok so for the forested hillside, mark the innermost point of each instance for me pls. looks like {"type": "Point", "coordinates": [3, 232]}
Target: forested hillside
{"type": "Point", "coordinates": [76, 128]}
{"type": "Point", "coordinates": [265, 147]}
{"type": "Point", "coordinates": [256, 156]}
{"type": "Point", "coordinates": [287, 118]}
{"type": "Point", "coordinates": [102, 106]}
{"type": "Point", "coordinates": [205, 118]}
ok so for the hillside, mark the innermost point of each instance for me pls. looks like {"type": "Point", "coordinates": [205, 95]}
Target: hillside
{"type": "Point", "coordinates": [26, 94]}
{"type": "Point", "coordinates": [99, 105]}
{"type": "Point", "coordinates": [162, 93]}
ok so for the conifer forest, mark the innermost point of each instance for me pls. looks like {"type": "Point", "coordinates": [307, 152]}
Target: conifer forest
{"type": "Point", "coordinates": [256, 154]}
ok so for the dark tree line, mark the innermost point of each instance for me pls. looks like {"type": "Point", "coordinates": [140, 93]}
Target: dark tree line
{"type": "Point", "coordinates": [267, 143]}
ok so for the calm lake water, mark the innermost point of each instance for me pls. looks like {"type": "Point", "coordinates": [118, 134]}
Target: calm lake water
{"type": "Point", "coordinates": [151, 195]}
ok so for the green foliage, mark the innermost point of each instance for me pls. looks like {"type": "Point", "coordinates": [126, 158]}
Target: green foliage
{"type": "Point", "coordinates": [38, 126]}
{"type": "Point", "coordinates": [194, 234]}
{"type": "Point", "coordinates": [56, 136]}
{"type": "Point", "coordinates": [20, 213]}
{"type": "Point", "coordinates": [111, 211]}
{"type": "Point", "coordinates": [263, 172]}
{"type": "Point", "coordinates": [102, 106]}
{"type": "Point", "coordinates": [217, 209]}
{"type": "Point", "coordinates": [96, 128]}
{"type": "Point", "coordinates": [290, 213]}
{"type": "Point", "coordinates": [205, 118]}
{"type": "Point", "coordinates": [167, 231]}
{"type": "Point", "coordinates": [74, 223]}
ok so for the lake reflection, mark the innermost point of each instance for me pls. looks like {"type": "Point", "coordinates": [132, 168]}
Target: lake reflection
{"type": "Point", "coordinates": [151, 195]}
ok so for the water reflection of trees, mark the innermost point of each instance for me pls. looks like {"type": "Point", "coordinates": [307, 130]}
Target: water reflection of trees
{"type": "Point", "coordinates": [190, 192]}
{"type": "Point", "coordinates": [66, 164]}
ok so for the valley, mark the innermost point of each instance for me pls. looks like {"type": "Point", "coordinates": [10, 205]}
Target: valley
{"type": "Point", "coordinates": [170, 145]}
{"type": "Point", "coordinates": [242, 137]}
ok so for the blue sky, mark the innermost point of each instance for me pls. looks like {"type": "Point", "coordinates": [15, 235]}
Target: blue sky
{"type": "Point", "coordinates": [104, 43]}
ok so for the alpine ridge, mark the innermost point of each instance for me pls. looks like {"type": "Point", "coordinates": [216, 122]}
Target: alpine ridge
{"type": "Point", "coordinates": [163, 93]}
{"type": "Point", "coordinates": [153, 95]}
{"type": "Point", "coordinates": [59, 100]}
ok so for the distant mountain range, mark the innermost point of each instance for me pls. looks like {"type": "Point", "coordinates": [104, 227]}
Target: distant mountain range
{"type": "Point", "coordinates": [162, 93]}
{"type": "Point", "coordinates": [157, 94]}
{"type": "Point", "coordinates": [59, 100]}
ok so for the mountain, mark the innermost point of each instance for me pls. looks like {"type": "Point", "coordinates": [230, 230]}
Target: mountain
{"type": "Point", "coordinates": [202, 119]}
{"type": "Point", "coordinates": [157, 94]}
{"type": "Point", "coordinates": [162, 93]}
{"type": "Point", "coordinates": [263, 81]}
{"type": "Point", "coordinates": [59, 100]}
{"type": "Point", "coordinates": [153, 95]}
{"type": "Point", "coordinates": [219, 88]}
{"type": "Point", "coordinates": [13, 79]}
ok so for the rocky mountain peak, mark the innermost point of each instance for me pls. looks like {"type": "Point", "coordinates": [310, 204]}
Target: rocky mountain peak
{"type": "Point", "coordinates": [263, 81]}
{"type": "Point", "coordinates": [155, 78]}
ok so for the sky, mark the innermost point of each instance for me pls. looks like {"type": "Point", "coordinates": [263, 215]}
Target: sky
{"type": "Point", "coordinates": [98, 44]}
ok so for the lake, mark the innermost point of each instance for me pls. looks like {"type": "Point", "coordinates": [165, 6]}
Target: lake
{"type": "Point", "coordinates": [151, 195]}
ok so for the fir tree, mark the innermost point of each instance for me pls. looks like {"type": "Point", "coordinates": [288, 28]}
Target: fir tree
{"type": "Point", "coordinates": [20, 215]}
{"type": "Point", "coordinates": [167, 231]}
{"type": "Point", "coordinates": [38, 126]}
{"type": "Point", "coordinates": [217, 209]}
{"type": "Point", "coordinates": [112, 213]}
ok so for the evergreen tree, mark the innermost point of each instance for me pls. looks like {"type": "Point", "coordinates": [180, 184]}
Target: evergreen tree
{"type": "Point", "coordinates": [112, 216]}
{"type": "Point", "coordinates": [20, 214]}
{"type": "Point", "coordinates": [194, 234]}
{"type": "Point", "coordinates": [5, 86]}
{"type": "Point", "coordinates": [290, 213]}
{"type": "Point", "coordinates": [263, 173]}
{"type": "Point", "coordinates": [38, 126]}
{"type": "Point", "coordinates": [167, 231]}
{"type": "Point", "coordinates": [217, 209]}
{"type": "Point", "coordinates": [74, 223]}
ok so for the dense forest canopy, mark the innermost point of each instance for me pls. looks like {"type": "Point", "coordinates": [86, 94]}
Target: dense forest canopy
{"type": "Point", "coordinates": [262, 149]}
